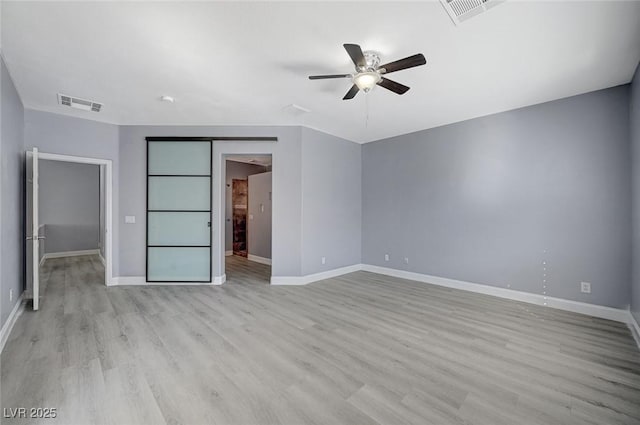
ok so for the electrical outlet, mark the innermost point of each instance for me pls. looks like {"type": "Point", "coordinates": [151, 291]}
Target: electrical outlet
{"type": "Point", "coordinates": [10, 294]}
{"type": "Point", "coordinates": [585, 287]}
{"type": "Point", "coordinates": [386, 257]}
{"type": "Point", "coordinates": [324, 260]}
{"type": "Point", "coordinates": [406, 260]}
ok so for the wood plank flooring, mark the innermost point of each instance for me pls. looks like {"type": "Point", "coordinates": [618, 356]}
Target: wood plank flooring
{"type": "Point", "coordinates": [358, 349]}
{"type": "Point", "coordinates": [240, 270]}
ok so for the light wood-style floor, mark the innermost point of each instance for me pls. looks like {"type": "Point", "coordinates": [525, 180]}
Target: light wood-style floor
{"type": "Point", "coordinates": [240, 270]}
{"type": "Point", "coordinates": [359, 349]}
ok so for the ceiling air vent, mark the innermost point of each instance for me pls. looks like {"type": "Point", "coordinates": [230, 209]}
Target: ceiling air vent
{"type": "Point", "coordinates": [77, 103]}
{"type": "Point", "coordinates": [461, 10]}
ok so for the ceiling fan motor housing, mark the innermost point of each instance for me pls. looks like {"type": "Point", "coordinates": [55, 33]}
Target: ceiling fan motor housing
{"type": "Point", "coordinates": [373, 60]}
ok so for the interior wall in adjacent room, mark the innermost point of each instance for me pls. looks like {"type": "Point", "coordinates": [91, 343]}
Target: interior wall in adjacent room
{"type": "Point", "coordinates": [259, 215]}
{"type": "Point", "coordinates": [69, 206]}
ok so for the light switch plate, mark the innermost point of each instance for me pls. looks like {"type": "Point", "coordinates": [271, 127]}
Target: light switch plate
{"type": "Point", "coordinates": [585, 287]}
{"type": "Point", "coordinates": [130, 219]}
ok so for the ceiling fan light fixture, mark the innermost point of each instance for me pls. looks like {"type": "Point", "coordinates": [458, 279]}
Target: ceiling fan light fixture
{"type": "Point", "coordinates": [366, 80]}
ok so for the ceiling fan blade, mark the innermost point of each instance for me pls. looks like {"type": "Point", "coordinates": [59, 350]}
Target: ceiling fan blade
{"type": "Point", "coordinates": [393, 86]}
{"type": "Point", "coordinates": [355, 52]}
{"type": "Point", "coordinates": [324, 77]}
{"type": "Point", "coordinates": [353, 91]}
{"type": "Point", "coordinates": [410, 62]}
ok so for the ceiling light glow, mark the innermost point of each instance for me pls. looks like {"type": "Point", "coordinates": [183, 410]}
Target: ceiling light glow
{"type": "Point", "coordinates": [366, 80]}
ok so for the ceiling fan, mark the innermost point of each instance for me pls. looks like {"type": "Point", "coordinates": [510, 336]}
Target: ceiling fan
{"type": "Point", "coordinates": [369, 72]}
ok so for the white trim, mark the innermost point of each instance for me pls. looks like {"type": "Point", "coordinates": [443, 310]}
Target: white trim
{"type": "Point", "coordinates": [35, 242]}
{"type": "Point", "coordinates": [18, 309]}
{"type": "Point", "coordinates": [261, 260]}
{"type": "Point", "coordinates": [102, 260]}
{"type": "Point", "coordinates": [72, 158]}
{"type": "Point", "coordinates": [616, 314]}
{"type": "Point", "coordinates": [219, 280]}
{"type": "Point", "coordinates": [228, 253]}
{"type": "Point", "coordinates": [108, 214]}
{"type": "Point", "coordinates": [69, 254]}
{"type": "Point", "coordinates": [303, 280]}
{"type": "Point", "coordinates": [42, 260]}
{"type": "Point", "coordinates": [635, 328]}
{"type": "Point", "coordinates": [142, 281]}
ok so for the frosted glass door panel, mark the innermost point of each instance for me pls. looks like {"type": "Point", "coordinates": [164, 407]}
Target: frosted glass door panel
{"type": "Point", "coordinates": [179, 228]}
{"type": "Point", "coordinates": [180, 158]}
{"type": "Point", "coordinates": [178, 210]}
{"type": "Point", "coordinates": [179, 193]}
{"type": "Point", "coordinates": [179, 264]}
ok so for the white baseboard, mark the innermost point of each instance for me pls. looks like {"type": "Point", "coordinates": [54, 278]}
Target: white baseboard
{"type": "Point", "coordinates": [228, 253]}
{"type": "Point", "coordinates": [635, 328]}
{"type": "Point", "coordinates": [303, 280]}
{"type": "Point", "coordinates": [616, 314]}
{"type": "Point", "coordinates": [142, 281]}
{"type": "Point", "coordinates": [18, 309]}
{"type": "Point", "coordinates": [261, 260]}
{"type": "Point", "coordinates": [102, 260]}
{"type": "Point", "coordinates": [49, 255]}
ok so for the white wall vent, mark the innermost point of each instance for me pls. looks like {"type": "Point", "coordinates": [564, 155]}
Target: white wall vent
{"type": "Point", "coordinates": [77, 103]}
{"type": "Point", "coordinates": [461, 10]}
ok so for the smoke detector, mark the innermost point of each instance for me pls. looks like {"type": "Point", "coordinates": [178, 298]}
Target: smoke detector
{"type": "Point", "coordinates": [461, 10]}
{"type": "Point", "coordinates": [78, 103]}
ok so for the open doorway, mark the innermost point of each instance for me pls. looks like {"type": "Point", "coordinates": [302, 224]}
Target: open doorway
{"type": "Point", "coordinates": [68, 222]}
{"type": "Point", "coordinates": [248, 199]}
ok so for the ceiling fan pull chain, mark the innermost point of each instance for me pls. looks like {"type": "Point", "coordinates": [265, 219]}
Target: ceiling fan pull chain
{"type": "Point", "coordinates": [366, 109]}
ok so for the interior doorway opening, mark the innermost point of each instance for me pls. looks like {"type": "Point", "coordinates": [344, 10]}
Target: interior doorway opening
{"type": "Point", "coordinates": [68, 214]}
{"type": "Point", "coordinates": [248, 218]}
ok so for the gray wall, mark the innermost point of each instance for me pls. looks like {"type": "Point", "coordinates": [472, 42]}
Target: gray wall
{"type": "Point", "coordinates": [259, 215]}
{"type": "Point", "coordinates": [69, 205]}
{"type": "Point", "coordinates": [634, 115]}
{"type": "Point", "coordinates": [53, 133]}
{"type": "Point", "coordinates": [287, 202]}
{"type": "Point", "coordinates": [491, 199]}
{"type": "Point", "coordinates": [235, 170]}
{"type": "Point", "coordinates": [332, 201]}
{"type": "Point", "coordinates": [11, 200]}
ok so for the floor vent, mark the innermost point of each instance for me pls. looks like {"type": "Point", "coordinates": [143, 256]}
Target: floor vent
{"type": "Point", "coordinates": [461, 10]}
{"type": "Point", "coordinates": [78, 103]}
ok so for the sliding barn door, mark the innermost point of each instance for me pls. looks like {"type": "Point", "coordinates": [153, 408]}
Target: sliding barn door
{"type": "Point", "coordinates": [179, 211]}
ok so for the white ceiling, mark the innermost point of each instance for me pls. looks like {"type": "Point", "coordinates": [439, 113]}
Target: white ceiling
{"type": "Point", "coordinates": [243, 63]}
